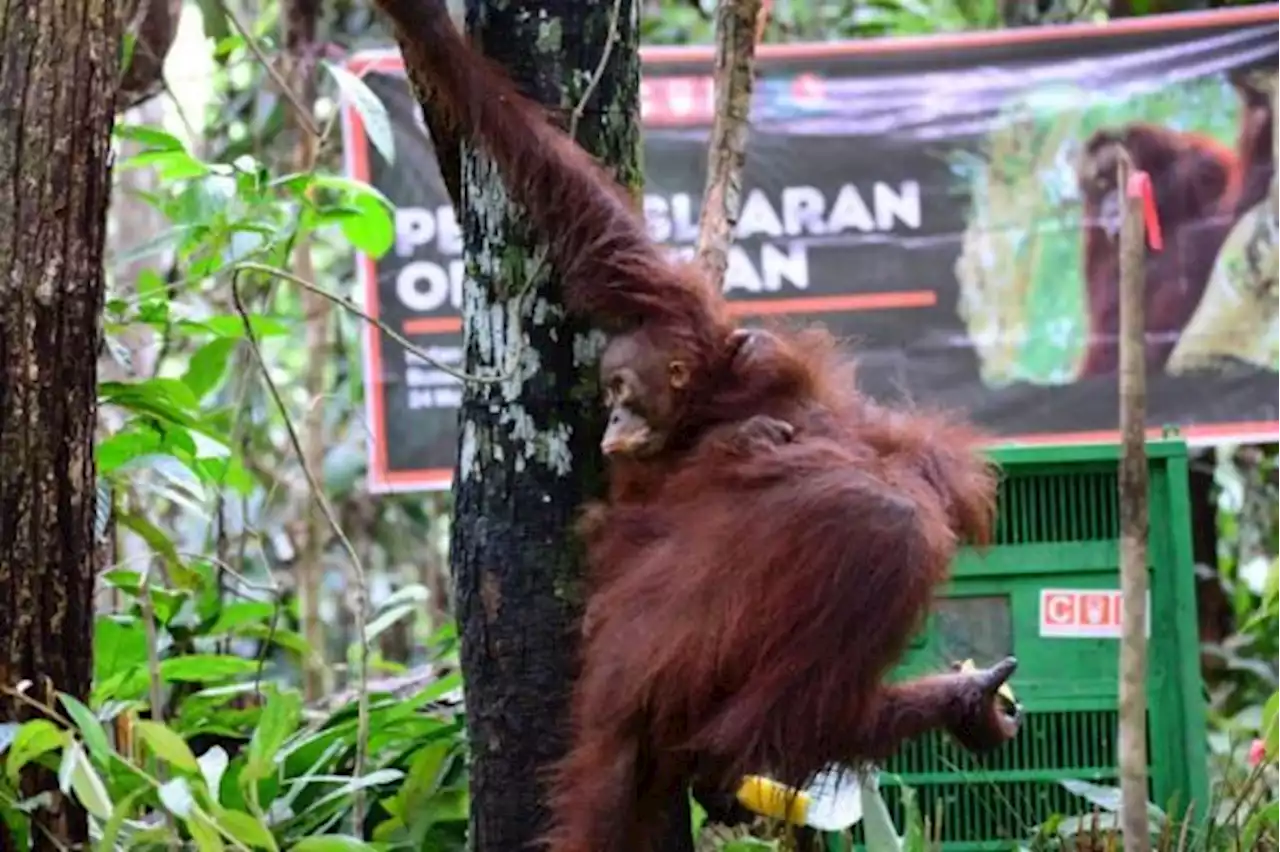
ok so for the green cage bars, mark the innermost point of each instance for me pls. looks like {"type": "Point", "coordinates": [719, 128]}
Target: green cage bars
{"type": "Point", "coordinates": [1048, 591]}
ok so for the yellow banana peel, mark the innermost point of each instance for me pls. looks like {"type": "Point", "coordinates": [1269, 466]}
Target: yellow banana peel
{"type": "Point", "coordinates": [769, 798]}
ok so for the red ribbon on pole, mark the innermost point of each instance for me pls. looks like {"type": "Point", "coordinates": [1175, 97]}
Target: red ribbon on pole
{"type": "Point", "coordinates": [1140, 187]}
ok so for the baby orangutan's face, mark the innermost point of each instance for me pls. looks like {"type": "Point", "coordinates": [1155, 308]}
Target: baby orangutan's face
{"type": "Point", "coordinates": [641, 390]}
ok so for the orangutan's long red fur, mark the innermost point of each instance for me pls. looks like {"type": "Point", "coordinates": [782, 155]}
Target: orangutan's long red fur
{"type": "Point", "coordinates": [745, 608]}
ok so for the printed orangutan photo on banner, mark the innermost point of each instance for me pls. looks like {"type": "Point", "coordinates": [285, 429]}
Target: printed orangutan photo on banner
{"type": "Point", "coordinates": [946, 205]}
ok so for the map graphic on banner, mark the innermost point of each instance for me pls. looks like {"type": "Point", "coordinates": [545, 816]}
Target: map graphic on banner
{"type": "Point", "coordinates": [943, 204]}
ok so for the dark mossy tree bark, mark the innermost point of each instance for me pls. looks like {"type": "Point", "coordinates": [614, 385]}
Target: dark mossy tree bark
{"type": "Point", "coordinates": [528, 452]}
{"type": "Point", "coordinates": [59, 72]}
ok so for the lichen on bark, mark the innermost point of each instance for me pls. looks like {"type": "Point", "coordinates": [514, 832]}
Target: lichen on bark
{"type": "Point", "coordinates": [59, 70]}
{"type": "Point", "coordinates": [528, 452]}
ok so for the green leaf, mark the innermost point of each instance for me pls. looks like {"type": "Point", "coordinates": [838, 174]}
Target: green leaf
{"type": "Point", "coordinates": [239, 614]}
{"type": "Point", "coordinates": [231, 325]}
{"type": "Point", "coordinates": [229, 471]}
{"type": "Point", "coordinates": [202, 668]}
{"type": "Point", "coordinates": [161, 544]}
{"type": "Point", "coordinates": [332, 843]}
{"type": "Point", "coordinates": [373, 230]}
{"type": "Point", "coordinates": [123, 447]}
{"type": "Point", "coordinates": [227, 44]}
{"type": "Point", "coordinates": [376, 627]}
{"type": "Point", "coordinates": [373, 779]}
{"type": "Point", "coordinates": [351, 188]}
{"type": "Point", "coordinates": [446, 684]}
{"type": "Point", "coordinates": [90, 728]}
{"type": "Point", "coordinates": [207, 366]}
{"type": "Point", "coordinates": [151, 137]}
{"type": "Point", "coordinates": [78, 775]}
{"type": "Point", "coordinates": [165, 399]}
{"type": "Point", "coordinates": [365, 217]}
{"type": "Point", "coordinates": [119, 815]}
{"type": "Point", "coordinates": [118, 647]}
{"type": "Point", "coordinates": [279, 718]}
{"type": "Point", "coordinates": [34, 738]}
{"type": "Point", "coordinates": [151, 286]}
{"type": "Point", "coordinates": [245, 828]}
{"type": "Point", "coordinates": [170, 165]}
{"type": "Point", "coordinates": [123, 579]}
{"type": "Point", "coordinates": [204, 834]}
{"type": "Point", "coordinates": [373, 113]}
{"type": "Point", "coordinates": [1271, 725]}
{"type": "Point", "coordinates": [129, 684]}
{"type": "Point", "coordinates": [167, 745]}
{"type": "Point", "coordinates": [127, 45]}
{"type": "Point", "coordinates": [1258, 821]}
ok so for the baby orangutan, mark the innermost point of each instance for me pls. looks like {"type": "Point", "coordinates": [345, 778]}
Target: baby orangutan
{"type": "Point", "coordinates": [645, 390]}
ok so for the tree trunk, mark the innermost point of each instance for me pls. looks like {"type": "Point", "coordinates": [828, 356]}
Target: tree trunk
{"type": "Point", "coordinates": [737, 24]}
{"type": "Point", "coordinates": [59, 69]}
{"type": "Point", "coordinates": [528, 452]}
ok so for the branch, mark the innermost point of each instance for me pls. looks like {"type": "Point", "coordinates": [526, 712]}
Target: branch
{"type": "Point", "coordinates": [346, 305]}
{"type": "Point", "coordinates": [581, 107]}
{"type": "Point", "coordinates": [736, 27]}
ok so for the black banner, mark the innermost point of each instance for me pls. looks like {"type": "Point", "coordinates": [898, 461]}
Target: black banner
{"type": "Point", "coordinates": [928, 199]}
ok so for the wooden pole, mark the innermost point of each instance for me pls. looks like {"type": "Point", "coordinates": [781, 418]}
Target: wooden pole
{"type": "Point", "coordinates": [1133, 513]}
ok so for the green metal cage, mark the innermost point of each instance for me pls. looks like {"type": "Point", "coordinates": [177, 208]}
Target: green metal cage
{"type": "Point", "coordinates": [1054, 570]}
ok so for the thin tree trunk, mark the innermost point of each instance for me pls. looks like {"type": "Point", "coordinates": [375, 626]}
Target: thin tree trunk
{"type": "Point", "coordinates": [739, 25]}
{"type": "Point", "coordinates": [1133, 522]}
{"type": "Point", "coordinates": [527, 457]}
{"type": "Point", "coordinates": [59, 71]}
{"type": "Point", "coordinates": [300, 47]}
{"type": "Point", "coordinates": [736, 31]}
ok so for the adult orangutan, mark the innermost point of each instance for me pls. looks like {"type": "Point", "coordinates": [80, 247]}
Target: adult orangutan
{"type": "Point", "coordinates": [772, 538]}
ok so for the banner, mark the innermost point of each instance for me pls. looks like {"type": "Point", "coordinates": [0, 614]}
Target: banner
{"type": "Point", "coordinates": [945, 204]}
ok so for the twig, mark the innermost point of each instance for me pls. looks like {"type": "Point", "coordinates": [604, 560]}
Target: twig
{"type": "Point", "coordinates": [736, 26]}
{"type": "Point", "coordinates": [360, 603]}
{"type": "Point", "coordinates": [346, 305]}
{"type": "Point", "coordinates": [274, 73]}
{"type": "Point", "coordinates": [47, 710]}
{"type": "Point", "coordinates": [216, 562]}
{"type": "Point", "coordinates": [581, 107]}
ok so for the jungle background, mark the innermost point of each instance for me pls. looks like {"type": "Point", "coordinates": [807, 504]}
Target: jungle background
{"type": "Point", "coordinates": [250, 687]}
